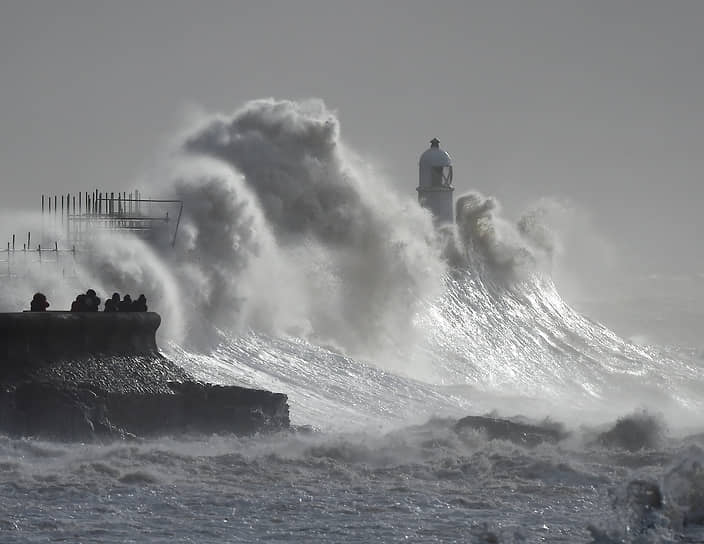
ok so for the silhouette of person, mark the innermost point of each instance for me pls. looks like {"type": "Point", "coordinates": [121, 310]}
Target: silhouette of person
{"type": "Point", "coordinates": [140, 305]}
{"type": "Point", "coordinates": [39, 303]}
{"type": "Point", "coordinates": [126, 304]}
{"type": "Point", "coordinates": [113, 304]}
{"type": "Point", "coordinates": [92, 301]}
{"type": "Point", "coordinates": [80, 304]}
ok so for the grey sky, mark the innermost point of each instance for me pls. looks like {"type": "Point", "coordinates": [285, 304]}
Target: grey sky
{"type": "Point", "coordinates": [599, 102]}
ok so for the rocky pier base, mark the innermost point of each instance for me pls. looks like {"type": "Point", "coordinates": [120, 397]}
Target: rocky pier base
{"type": "Point", "coordinates": [80, 376]}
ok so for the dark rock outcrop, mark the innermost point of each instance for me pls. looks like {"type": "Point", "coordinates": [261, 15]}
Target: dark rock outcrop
{"type": "Point", "coordinates": [635, 432]}
{"type": "Point", "coordinates": [504, 429]}
{"type": "Point", "coordinates": [50, 410]}
{"type": "Point", "coordinates": [83, 375]}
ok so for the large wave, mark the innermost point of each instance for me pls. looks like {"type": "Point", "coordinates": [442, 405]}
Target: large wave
{"type": "Point", "coordinates": [291, 233]}
{"type": "Point", "coordinates": [295, 261]}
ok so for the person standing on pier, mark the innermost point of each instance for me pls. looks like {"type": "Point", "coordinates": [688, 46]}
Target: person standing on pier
{"type": "Point", "coordinates": [39, 303]}
{"type": "Point", "coordinates": [113, 304]}
{"type": "Point", "coordinates": [92, 301]}
{"type": "Point", "coordinates": [126, 304]}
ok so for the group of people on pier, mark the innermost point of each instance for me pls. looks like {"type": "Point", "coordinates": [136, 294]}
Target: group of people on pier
{"type": "Point", "coordinates": [114, 304]}
{"type": "Point", "coordinates": [90, 302]}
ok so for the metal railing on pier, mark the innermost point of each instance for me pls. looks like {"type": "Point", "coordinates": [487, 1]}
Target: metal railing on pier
{"type": "Point", "coordinates": [15, 262]}
{"type": "Point", "coordinates": [85, 214]}
{"type": "Point", "coordinates": [74, 220]}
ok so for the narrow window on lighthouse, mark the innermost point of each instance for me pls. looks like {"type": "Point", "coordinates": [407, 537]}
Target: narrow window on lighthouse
{"type": "Point", "coordinates": [447, 176]}
{"type": "Point", "coordinates": [437, 176]}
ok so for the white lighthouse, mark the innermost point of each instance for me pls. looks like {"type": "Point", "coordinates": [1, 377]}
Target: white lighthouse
{"type": "Point", "coordinates": [435, 183]}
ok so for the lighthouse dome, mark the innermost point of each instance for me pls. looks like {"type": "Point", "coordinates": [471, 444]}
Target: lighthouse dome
{"type": "Point", "coordinates": [434, 156]}
{"type": "Point", "coordinates": [435, 166]}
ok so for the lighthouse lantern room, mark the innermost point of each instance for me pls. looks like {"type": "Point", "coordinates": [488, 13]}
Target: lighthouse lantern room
{"type": "Point", "coordinates": [435, 183]}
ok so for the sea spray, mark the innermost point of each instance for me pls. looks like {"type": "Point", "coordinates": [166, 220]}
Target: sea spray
{"type": "Point", "coordinates": [344, 258]}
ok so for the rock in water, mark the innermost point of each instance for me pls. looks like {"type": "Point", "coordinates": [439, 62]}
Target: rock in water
{"type": "Point", "coordinates": [505, 429]}
{"type": "Point", "coordinates": [634, 433]}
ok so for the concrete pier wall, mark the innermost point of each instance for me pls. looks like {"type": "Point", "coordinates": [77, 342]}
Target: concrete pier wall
{"type": "Point", "coordinates": [34, 337]}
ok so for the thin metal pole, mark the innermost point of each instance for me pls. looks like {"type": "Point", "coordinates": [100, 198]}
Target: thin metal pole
{"type": "Point", "coordinates": [178, 222]}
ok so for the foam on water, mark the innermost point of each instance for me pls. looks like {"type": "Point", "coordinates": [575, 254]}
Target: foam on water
{"type": "Point", "coordinates": [425, 483]}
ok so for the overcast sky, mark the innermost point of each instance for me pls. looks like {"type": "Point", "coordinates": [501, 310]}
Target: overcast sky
{"type": "Point", "coordinates": [598, 102]}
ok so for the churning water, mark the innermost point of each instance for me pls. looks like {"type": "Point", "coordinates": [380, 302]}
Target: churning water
{"type": "Point", "coordinates": [300, 271]}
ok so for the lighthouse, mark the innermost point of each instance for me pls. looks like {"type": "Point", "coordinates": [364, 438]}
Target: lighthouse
{"type": "Point", "coordinates": [435, 183]}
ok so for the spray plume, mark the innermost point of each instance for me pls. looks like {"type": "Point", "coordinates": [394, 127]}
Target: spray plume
{"type": "Point", "coordinates": [286, 231]}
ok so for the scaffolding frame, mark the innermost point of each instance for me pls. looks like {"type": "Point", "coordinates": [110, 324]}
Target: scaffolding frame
{"type": "Point", "coordinates": [114, 211]}
{"type": "Point", "coordinates": [81, 217]}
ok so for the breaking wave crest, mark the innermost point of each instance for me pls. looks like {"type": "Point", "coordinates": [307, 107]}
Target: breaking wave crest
{"type": "Point", "coordinates": [293, 234]}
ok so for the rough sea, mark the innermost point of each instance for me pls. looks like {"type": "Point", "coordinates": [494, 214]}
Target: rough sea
{"type": "Point", "coordinates": [301, 272]}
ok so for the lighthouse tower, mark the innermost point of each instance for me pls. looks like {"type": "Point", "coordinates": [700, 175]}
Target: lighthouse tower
{"type": "Point", "coordinates": [435, 183]}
